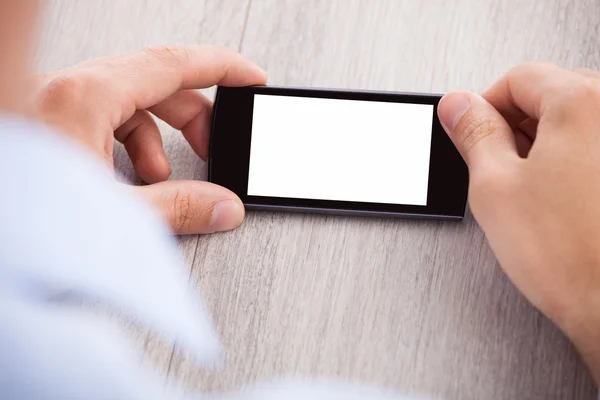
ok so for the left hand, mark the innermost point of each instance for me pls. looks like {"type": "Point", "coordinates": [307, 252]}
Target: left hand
{"type": "Point", "coordinates": [111, 98]}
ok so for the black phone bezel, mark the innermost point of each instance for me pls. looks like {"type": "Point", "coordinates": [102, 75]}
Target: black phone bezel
{"type": "Point", "coordinates": [229, 156]}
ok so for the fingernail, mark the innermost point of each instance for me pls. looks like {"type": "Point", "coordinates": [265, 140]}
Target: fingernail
{"type": "Point", "coordinates": [226, 215]}
{"type": "Point", "coordinates": [451, 109]}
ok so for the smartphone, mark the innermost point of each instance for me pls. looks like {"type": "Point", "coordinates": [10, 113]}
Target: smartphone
{"type": "Point", "coordinates": [336, 152]}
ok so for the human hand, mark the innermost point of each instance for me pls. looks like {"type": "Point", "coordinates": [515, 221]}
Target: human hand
{"type": "Point", "coordinates": [110, 98]}
{"type": "Point", "coordinates": [533, 152]}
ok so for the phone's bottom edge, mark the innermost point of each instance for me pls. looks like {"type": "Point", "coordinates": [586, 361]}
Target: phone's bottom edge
{"type": "Point", "coordinates": [355, 213]}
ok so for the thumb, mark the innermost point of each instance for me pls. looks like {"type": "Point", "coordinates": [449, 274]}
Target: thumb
{"type": "Point", "coordinates": [192, 207]}
{"type": "Point", "coordinates": [478, 131]}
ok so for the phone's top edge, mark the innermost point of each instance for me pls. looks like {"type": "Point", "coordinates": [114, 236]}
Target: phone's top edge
{"type": "Point", "coordinates": [344, 90]}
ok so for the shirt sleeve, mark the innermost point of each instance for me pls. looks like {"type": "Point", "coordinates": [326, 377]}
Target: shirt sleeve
{"type": "Point", "coordinates": [71, 234]}
{"type": "Point", "coordinates": [73, 241]}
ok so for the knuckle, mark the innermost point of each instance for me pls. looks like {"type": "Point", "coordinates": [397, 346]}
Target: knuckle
{"type": "Point", "coordinates": [530, 66]}
{"type": "Point", "coordinates": [580, 98]}
{"type": "Point", "coordinates": [171, 55]}
{"type": "Point", "coordinates": [59, 90]}
{"type": "Point", "coordinates": [584, 71]}
{"type": "Point", "coordinates": [182, 210]}
{"type": "Point", "coordinates": [474, 128]}
{"type": "Point", "coordinates": [65, 89]}
{"type": "Point", "coordinates": [586, 90]}
{"type": "Point", "coordinates": [219, 50]}
{"type": "Point", "coordinates": [187, 213]}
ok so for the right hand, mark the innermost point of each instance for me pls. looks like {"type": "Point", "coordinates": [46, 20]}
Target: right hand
{"type": "Point", "coordinates": [532, 145]}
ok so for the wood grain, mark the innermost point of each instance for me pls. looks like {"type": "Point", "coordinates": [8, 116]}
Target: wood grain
{"type": "Point", "coordinates": [413, 306]}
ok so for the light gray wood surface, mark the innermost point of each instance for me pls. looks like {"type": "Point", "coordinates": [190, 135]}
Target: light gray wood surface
{"type": "Point", "coordinates": [409, 305]}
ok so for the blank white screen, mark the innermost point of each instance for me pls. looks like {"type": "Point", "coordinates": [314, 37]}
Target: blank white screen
{"type": "Point", "coordinates": [348, 150]}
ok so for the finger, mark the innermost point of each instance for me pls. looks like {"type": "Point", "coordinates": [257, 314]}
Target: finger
{"type": "Point", "coordinates": [141, 137]}
{"type": "Point", "coordinates": [192, 207]}
{"type": "Point", "coordinates": [148, 77]}
{"type": "Point", "coordinates": [478, 131]}
{"type": "Point", "coordinates": [590, 73]}
{"type": "Point", "coordinates": [39, 80]}
{"type": "Point", "coordinates": [190, 112]}
{"type": "Point", "coordinates": [64, 104]}
{"type": "Point", "coordinates": [526, 90]}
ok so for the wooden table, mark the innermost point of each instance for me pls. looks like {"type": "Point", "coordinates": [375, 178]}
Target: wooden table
{"type": "Point", "coordinates": [410, 305]}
